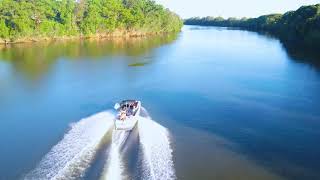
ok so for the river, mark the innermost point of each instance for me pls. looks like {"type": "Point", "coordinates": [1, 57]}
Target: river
{"type": "Point", "coordinates": [221, 103]}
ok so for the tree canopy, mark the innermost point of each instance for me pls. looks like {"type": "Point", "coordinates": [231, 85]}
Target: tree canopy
{"type": "Point", "coordinates": [56, 18]}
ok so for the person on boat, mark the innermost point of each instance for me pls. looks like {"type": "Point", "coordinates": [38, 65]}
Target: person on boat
{"type": "Point", "coordinates": [123, 115]}
{"type": "Point", "coordinates": [130, 110]}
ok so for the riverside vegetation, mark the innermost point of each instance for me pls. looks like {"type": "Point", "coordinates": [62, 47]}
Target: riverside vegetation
{"type": "Point", "coordinates": [32, 20]}
{"type": "Point", "coordinates": [300, 26]}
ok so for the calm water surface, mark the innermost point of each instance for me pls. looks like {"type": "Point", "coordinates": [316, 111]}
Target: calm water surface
{"type": "Point", "coordinates": [236, 103]}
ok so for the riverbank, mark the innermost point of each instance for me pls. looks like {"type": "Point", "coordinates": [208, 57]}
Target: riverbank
{"type": "Point", "coordinates": [111, 35]}
{"type": "Point", "coordinates": [301, 26]}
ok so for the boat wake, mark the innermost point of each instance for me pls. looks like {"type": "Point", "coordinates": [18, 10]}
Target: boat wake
{"type": "Point", "coordinates": [76, 152]}
{"type": "Point", "coordinates": [114, 166]}
{"type": "Point", "coordinates": [73, 154]}
{"type": "Point", "coordinates": [157, 152]}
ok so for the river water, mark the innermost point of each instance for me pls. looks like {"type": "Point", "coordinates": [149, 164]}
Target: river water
{"type": "Point", "coordinates": [221, 104]}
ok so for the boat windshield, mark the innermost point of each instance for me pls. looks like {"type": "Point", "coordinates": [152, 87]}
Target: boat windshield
{"type": "Point", "coordinates": [127, 108]}
{"type": "Point", "coordinates": [128, 103]}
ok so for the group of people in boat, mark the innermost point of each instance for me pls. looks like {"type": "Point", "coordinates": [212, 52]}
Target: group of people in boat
{"type": "Point", "coordinates": [127, 109]}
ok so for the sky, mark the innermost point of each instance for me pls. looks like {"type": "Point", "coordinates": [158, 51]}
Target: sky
{"type": "Point", "coordinates": [232, 8]}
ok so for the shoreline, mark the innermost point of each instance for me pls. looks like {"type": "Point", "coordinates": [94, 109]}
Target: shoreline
{"type": "Point", "coordinates": [113, 35]}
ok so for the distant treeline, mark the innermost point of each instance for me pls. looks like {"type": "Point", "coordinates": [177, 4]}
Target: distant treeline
{"type": "Point", "coordinates": [22, 19]}
{"type": "Point", "coordinates": [300, 25]}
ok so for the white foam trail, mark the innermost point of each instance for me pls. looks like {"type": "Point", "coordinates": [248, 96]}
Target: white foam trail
{"type": "Point", "coordinates": [157, 160]}
{"type": "Point", "coordinates": [114, 169]}
{"type": "Point", "coordinates": [73, 154]}
{"type": "Point", "coordinates": [114, 166]}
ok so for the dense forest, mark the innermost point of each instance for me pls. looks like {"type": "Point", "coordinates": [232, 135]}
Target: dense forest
{"type": "Point", "coordinates": [302, 25]}
{"type": "Point", "coordinates": [22, 20]}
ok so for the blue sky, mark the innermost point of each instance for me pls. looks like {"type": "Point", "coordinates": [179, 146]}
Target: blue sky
{"type": "Point", "coordinates": [232, 8]}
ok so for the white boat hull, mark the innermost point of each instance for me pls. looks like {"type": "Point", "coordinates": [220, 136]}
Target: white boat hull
{"type": "Point", "coordinates": [130, 122]}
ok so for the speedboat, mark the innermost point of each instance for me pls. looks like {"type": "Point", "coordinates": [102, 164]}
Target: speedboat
{"type": "Point", "coordinates": [128, 113]}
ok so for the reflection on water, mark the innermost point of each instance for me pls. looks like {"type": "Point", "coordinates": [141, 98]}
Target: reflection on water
{"type": "Point", "coordinates": [35, 59]}
{"type": "Point", "coordinates": [296, 49]}
{"type": "Point", "coordinates": [299, 53]}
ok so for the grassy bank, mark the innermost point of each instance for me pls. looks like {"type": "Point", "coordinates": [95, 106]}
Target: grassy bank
{"type": "Point", "coordinates": [114, 34]}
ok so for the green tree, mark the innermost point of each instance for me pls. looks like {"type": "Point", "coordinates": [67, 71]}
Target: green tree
{"type": "Point", "coordinates": [53, 18]}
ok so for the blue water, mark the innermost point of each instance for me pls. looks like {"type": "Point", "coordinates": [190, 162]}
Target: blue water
{"type": "Point", "coordinates": [238, 105]}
